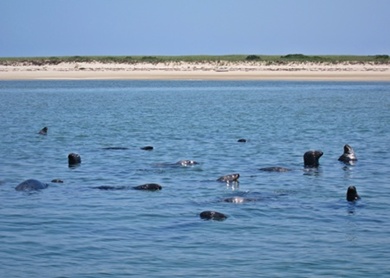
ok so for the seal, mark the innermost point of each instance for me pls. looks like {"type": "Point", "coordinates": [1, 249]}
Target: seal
{"type": "Point", "coordinates": [148, 187]}
{"type": "Point", "coordinates": [241, 140]}
{"type": "Point", "coordinates": [186, 163]}
{"type": "Point", "coordinates": [229, 178]}
{"type": "Point", "coordinates": [147, 148]}
{"type": "Point", "coordinates": [275, 169]}
{"type": "Point", "coordinates": [57, 181]}
{"type": "Point", "coordinates": [74, 159]}
{"type": "Point", "coordinates": [311, 158]}
{"type": "Point", "coordinates": [31, 185]}
{"type": "Point", "coordinates": [352, 194]}
{"type": "Point", "coordinates": [238, 200]}
{"type": "Point", "coordinates": [43, 131]}
{"type": "Point", "coordinates": [212, 215]}
{"type": "Point", "coordinates": [349, 155]}
{"type": "Point", "coordinates": [109, 187]}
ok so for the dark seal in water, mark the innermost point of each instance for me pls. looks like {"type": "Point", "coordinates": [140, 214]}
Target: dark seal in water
{"type": "Point", "coordinates": [212, 215]}
{"type": "Point", "coordinates": [311, 158]}
{"type": "Point", "coordinates": [31, 185]}
{"type": "Point", "coordinates": [352, 194]}
{"type": "Point", "coordinates": [148, 187]}
{"type": "Point", "coordinates": [349, 155]}
{"type": "Point", "coordinates": [229, 178]}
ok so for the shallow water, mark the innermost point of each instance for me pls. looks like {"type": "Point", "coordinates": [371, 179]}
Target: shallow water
{"type": "Point", "coordinates": [299, 225]}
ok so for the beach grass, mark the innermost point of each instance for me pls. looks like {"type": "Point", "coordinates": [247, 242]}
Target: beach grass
{"type": "Point", "coordinates": [278, 59]}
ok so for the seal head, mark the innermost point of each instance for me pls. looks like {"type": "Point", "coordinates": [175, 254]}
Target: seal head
{"type": "Point", "coordinates": [352, 194]}
{"type": "Point", "coordinates": [349, 155]}
{"type": "Point", "coordinates": [74, 159]}
{"type": "Point", "coordinates": [43, 131]}
{"type": "Point", "coordinates": [311, 158]}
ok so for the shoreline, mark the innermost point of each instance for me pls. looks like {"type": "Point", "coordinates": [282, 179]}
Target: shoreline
{"type": "Point", "coordinates": [199, 71]}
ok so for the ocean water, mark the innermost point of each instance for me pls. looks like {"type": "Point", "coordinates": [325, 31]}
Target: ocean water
{"type": "Point", "coordinates": [299, 225]}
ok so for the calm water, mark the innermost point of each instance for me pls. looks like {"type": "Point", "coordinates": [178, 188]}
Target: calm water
{"type": "Point", "coordinates": [300, 226]}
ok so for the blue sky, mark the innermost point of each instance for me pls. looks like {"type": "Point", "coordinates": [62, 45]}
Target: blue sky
{"type": "Point", "coordinates": [193, 27]}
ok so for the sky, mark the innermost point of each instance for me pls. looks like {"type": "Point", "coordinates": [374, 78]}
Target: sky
{"type": "Point", "coordinates": [36, 28]}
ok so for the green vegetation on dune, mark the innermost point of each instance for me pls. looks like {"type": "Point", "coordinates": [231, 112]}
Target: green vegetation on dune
{"type": "Point", "coordinates": [269, 59]}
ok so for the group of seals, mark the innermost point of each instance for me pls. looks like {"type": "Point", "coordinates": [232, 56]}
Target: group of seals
{"type": "Point", "coordinates": [310, 158]}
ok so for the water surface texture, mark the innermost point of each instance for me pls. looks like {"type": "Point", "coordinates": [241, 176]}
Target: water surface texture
{"type": "Point", "coordinates": [298, 225]}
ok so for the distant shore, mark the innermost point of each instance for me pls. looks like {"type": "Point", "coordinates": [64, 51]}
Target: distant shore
{"type": "Point", "coordinates": [211, 70]}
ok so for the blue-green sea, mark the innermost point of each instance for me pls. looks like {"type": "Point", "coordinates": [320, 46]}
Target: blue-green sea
{"type": "Point", "coordinates": [299, 224]}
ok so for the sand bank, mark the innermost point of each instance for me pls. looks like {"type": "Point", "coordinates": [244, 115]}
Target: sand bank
{"type": "Point", "coordinates": [199, 71]}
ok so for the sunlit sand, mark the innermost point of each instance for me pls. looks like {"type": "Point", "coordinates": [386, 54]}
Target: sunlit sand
{"type": "Point", "coordinates": [346, 71]}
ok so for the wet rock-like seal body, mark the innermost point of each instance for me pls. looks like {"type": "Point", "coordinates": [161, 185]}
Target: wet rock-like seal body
{"type": "Point", "coordinates": [74, 159]}
{"type": "Point", "coordinates": [311, 158]}
{"type": "Point", "coordinates": [212, 215]}
{"type": "Point", "coordinates": [116, 148]}
{"type": "Point", "coordinates": [148, 187]}
{"type": "Point", "coordinates": [43, 131]}
{"type": "Point", "coordinates": [109, 187]}
{"type": "Point", "coordinates": [352, 194]}
{"type": "Point", "coordinates": [275, 169]}
{"type": "Point", "coordinates": [239, 200]}
{"type": "Point", "coordinates": [31, 185]}
{"type": "Point", "coordinates": [186, 163]}
{"type": "Point", "coordinates": [349, 155]}
{"type": "Point", "coordinates": [241, 140]}
{"type": "Point", "coordinates": [57, 181]}
{"type": "Point", "coordinates": [147, 148]}
{"type": "Point", "coordinates": [229, 178]}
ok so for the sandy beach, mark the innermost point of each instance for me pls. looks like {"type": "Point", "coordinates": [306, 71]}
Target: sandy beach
{"type": "Point", "coordinates": [199, 71]}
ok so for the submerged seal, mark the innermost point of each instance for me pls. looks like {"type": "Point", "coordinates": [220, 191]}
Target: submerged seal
{"type": "Point", "coordinates": [147, 148]}
{"type": "Point", "coordinates": [212, 215]}
{"type": "Point", "coordinates": [187, 163]}
{"type": "Point", "coordinates": [74, 159]}
{"type": "Point", "coordinates": [43, 131]}
{"type": "Point", "coordinates": [31, 185]}
{"type": "Point", "coordinates": [239, 200]}
{"type": "Point", "coordinates": [352, 194]}
{"type": "Point", "coordinates": [275, 169]}
{"type": "Point", "coordinates": [349, 155]}
{"type": "Point", "coordinates": [148, 187]}
{"type": "Point", "coordinates": [57, 181]}
{"type": "Point", "coordinates": [241, 140]}
{"type": "Point", "coordinates": [311, 158]}
{"type": "Point", "coordinates": [109, 187]}
{"type": "Point", "coordinates": [229, 178]}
